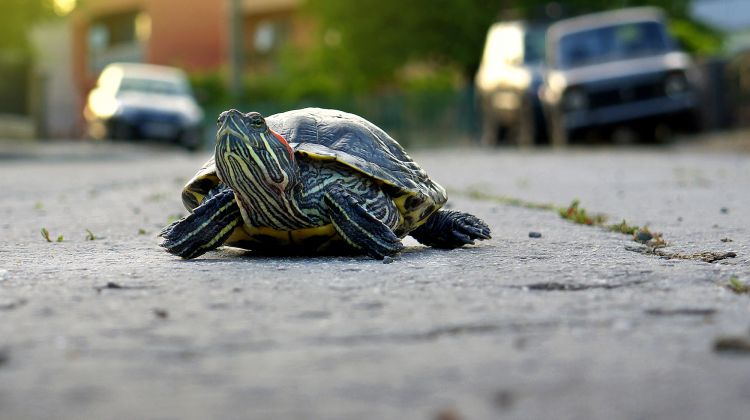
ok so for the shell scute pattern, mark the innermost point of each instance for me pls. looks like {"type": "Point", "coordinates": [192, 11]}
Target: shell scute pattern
{"type": "Point", "coordinates": [334, 146]}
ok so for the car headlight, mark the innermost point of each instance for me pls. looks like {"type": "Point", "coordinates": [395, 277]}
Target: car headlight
{"type": "Point", "coordinates": [675, 84]}
{"type": "Point", "coordinates": [575, 100]}
{"type": "Point", "coordinates": [103, 106]}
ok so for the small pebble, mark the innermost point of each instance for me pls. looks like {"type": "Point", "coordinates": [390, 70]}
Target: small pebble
{"type": "Point", "coordinates": [388, 260]}
{"type": "Point", "coordinates": [161, 313]}
{"type": "Point", "coordinates": [643, 236]}
{"type": "Point", "coordinates": [726, 240]}
{"type": "Point", "coordinates": [724, 210]}
{"type": "Point", "coordinates": [535, 235]}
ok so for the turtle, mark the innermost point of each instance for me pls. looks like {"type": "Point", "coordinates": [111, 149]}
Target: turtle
{"type": "Point", "coordinates": [313, 181]}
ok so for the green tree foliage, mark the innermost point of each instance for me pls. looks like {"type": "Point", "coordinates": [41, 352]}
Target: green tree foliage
{"type": "Point", "coordinates": [16, 19]}
{"type": "Point", "coordinates": [366, 42]}
{"type": "Point", "coordinates": [374, 38]}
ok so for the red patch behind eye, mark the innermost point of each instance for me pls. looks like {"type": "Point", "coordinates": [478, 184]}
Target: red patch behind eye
{"type": "Point", "coordinates": [284, 142]}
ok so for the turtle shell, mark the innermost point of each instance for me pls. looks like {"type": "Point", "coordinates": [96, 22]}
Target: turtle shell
{"type": "Point", "coordinates": [351, 140]}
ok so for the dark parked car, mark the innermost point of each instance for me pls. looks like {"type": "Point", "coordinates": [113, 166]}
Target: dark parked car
{"type": "Point", "coordinates": [143, 101]}
{"type": "Point", "coordinates": [507, 81]}
{"type": "Point", "coordinates": [614, 70]}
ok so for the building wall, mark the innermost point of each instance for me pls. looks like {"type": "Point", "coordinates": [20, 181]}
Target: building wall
{"type": "Point", "coordinates": [190, 34]}
{"type": "Point", "coordinates": [56, 108]}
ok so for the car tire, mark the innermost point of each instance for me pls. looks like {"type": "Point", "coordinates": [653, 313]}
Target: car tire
{"type": "Point", "coordinates": [526, 134]}
{"type": "Point", "coordinates": [490, 130]}
{"type": "Point", "coordinates": [120, 131]}
{"type": "Point", "coordinates": [191, 139]}
{"type": "Point", "coordinates": [689, 122]}
{"type": "Point", "coordinates": [558, 134]}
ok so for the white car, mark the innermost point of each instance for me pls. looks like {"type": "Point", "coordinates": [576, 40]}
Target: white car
{"type": "Point", "coordinates": [144, 101]}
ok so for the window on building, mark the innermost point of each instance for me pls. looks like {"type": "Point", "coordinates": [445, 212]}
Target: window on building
{"type": "Point", "coordinates": [118, 37]}
{"type": "Point", "coordinates": [267, 40]}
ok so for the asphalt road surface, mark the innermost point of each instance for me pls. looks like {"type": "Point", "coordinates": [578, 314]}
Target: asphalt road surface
{"type": "Point", "coordinates": [580, 323]}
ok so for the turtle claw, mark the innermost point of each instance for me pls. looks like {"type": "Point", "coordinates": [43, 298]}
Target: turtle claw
{"type": "Point", "coordinates": [472, 226]}
{"type": "Point", "coordinates": [451, 229]}
{"type": "Point", "coordinates": [358, 227]}
{"type": "Point", "coordinates": [168, 228]}
{"type": "Point", "coordinates": [205, 229]}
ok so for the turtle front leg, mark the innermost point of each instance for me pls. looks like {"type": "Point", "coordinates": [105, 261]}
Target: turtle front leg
{"type": "Point", "coordinates": [205, 229]}
{"type": "Point", "coordinates": [357, 226]}
{"type": "Point", "coordinates": [451, 229]}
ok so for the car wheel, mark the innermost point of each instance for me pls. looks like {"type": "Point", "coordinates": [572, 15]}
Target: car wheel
{"type": "Point", "coordinates": [689, 122]}
{"type": "Point", "coordinates": [490, 130]}
{"type": "Point", "coordinates": [191, 139]}
{"type": "Point", "coordinates": [526, 134]}
{"type": "Point", "coordinates": [120, 131]}
{"type": "Point", "coordinates": [559, 136]}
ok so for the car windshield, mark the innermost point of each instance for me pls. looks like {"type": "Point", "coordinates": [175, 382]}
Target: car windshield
{"type": "Point", "coordinates": [533, 42]}
{"type": "Point", "coordinates": [155, 86]}
{"type": "Point", "coordinates": [612, 43]}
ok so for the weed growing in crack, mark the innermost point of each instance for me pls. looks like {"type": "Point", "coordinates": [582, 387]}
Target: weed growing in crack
{"type": "Point", "coordinates": [623, 227]}
{"type": "Point", "coordinates": [734, 284]}
{"type": "Point", "coordinates": [577, 214]}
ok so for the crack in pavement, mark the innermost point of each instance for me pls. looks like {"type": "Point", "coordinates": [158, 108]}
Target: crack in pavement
{"type": "Point", "coordinates": [705, 256]}
{"type": "Point", "coordinates": [574, 287]}
{"type": "Point", "coordinates": [454, 330]}
{"type": "Point", "coordinates": [598, 220]}
{"type": "Point", "coordinates": [681, 311]}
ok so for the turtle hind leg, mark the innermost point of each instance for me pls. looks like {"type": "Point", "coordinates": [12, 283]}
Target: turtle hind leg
{"type": "Point", "coordinates": [358, 227]}
{"type": "Point", "coordinates": [451, 229]}
{"type": "Point", "coordinates": [205, 229]}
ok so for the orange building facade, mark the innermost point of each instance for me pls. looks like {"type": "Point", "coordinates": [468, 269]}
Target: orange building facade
{"type": "Point", "coordinates": [190, 34]}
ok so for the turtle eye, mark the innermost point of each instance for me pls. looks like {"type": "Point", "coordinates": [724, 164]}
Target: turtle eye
{"type": "Point", "coordinates": [255, 120]}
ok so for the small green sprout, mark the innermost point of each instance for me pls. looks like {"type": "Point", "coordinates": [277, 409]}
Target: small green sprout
{"type": "Point", "coordinates": [623, 227]}
{"type": "Point", "coordinates": [39, 206]}
{"type": "Point", "coordinates": [737, 286]}
{"type": "Point", "coordinates": [576, 214]}
{"type": "Point", "coordinates": [90, 235]}
{"type": "Point", "coordinates": [45, 235]}
{"type": "Point", "coordinates": [141, 231]}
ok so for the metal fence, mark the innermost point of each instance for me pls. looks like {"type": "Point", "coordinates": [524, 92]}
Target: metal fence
{"type": "Point", "coordinates": [414, 119]}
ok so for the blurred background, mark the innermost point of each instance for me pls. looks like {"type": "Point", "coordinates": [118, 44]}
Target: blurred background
{"type": "Point", "coordinates": [409, 66]}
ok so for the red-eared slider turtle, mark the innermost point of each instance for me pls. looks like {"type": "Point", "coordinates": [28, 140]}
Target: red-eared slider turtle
{"type": "Point", "coordinates": [339, 184]}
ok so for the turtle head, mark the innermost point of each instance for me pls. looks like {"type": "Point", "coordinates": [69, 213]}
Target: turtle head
{"type": "Point", "coordinates": [251, 158]}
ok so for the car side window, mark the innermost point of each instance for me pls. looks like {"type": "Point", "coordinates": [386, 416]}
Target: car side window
{"type": "Point", "coordinates": [533, 46]}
